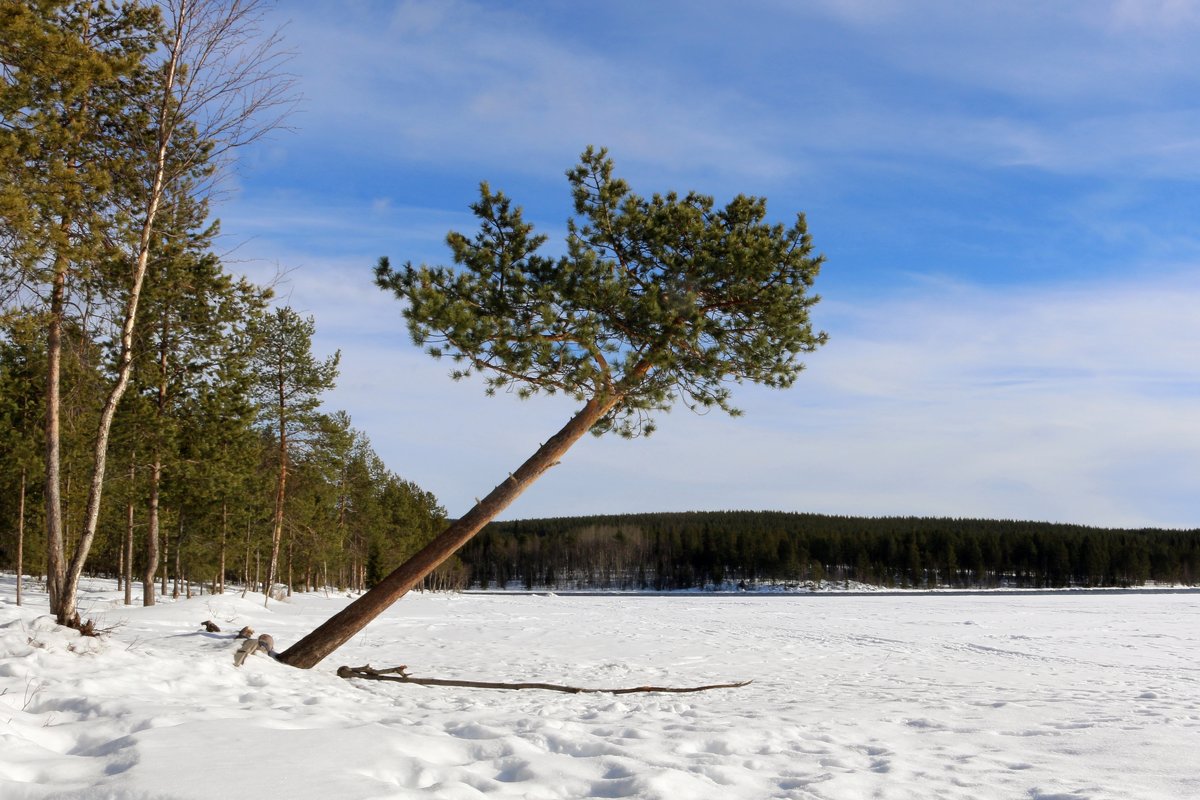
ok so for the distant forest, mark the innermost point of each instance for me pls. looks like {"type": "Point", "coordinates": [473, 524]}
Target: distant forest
{"type": "Point", "coordinates": [753, 548]}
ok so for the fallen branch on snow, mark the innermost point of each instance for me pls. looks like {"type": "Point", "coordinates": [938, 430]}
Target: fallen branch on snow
{"type": "Point", "coordinates": [400, 675]}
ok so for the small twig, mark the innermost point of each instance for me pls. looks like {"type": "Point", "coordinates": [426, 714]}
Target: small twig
{"type": "Point", "coordinates": [400, 675]}
{"type": "Point", "coordinates": [32, 689]}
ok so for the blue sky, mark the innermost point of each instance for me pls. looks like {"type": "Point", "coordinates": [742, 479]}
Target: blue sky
{"type": "Point", "coordinates": [1006, 193]}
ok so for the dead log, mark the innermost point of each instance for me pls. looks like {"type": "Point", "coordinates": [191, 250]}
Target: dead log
{"type": "Point", "coordinates": [400, 675]}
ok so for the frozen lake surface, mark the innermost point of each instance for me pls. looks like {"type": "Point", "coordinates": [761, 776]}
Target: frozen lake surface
{"type": "Point", "coordinates": [1040, 696]}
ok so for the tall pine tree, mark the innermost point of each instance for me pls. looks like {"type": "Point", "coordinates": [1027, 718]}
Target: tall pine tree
{"type": "Point", "coordinates": [288, 381]}
{"type": "Point", "coordinates": [657, 301]}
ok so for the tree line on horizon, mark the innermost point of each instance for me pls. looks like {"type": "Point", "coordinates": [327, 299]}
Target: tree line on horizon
{"type": "Point", "coordinates": [689, 550]}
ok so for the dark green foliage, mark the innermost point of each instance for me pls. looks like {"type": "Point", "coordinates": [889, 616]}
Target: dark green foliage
{"type": "Point", "coordinates": [70, 101]}
{"type": "Point", "coordinates": [111, 128]}
{"type": "Point", "coordinates": [679, 551]}
{"type": "Point", "coordinates": [287, 379]}
{"type": "Point", "coordinates": [656, 300]}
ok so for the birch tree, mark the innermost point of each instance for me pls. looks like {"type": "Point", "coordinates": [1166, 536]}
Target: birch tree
{"type": "Point", "coordinates": [210, 82]}
{"type": "Point", "coordinates": [65, 105]}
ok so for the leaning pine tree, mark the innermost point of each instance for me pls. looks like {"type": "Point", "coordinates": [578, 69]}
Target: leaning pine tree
{"type": "Point", "coordinates": [657, 300]}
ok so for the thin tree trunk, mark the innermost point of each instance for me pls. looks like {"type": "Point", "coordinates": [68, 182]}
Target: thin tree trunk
{"type": "Point", "coordinates": [219, 585]}
{"type": "Point", "coordinates": [21, 537]}
{"type": "Point", "coordinates": [280, 489]}
{"type": "Point", "coordinates": [246, 566]}
{"type": "Point", "coordinates": [55, 553]}
{"type": "Point", "coordinates": [339, 628]}
{"type": "Point", "coordinates": [291, 545]}
{"type": "Point", "coordinates": [127, 545]}
{"type": "Point", "coordinates": [67, 543]}
{"type": "Point", "coordinates": [166, 548]}
{"type": "Point", "coordinates": [150, 568]}
{"type": "Point", "coordinates": [178, 560]}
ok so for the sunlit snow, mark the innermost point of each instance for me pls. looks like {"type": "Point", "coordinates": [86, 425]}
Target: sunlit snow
{"type": "Point", "coordinates": [1057, 696]}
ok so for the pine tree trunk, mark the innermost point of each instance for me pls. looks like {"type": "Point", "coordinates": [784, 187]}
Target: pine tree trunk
{"type": "Point", "coordinates": [66, 525]}
{"type": "Point", "coordinates": [150, 568]}
{"type": "Point", "coordinates": [21, 537]}
{"type": "Point", "coordinates": [280, 489]}
{"type": "Point", "coordinates": [55, 553]}
{"type": "Point", "coordinates": [338, 629]}
{"type": "Point", "coordinates": [219, 585]}
{"type": "Point", "coordinates": [166, 558]}
{"type": "Point", "coordinates": [246, 566]}
{"type": "Point", "coordinates": [127, 545]}
{"type": "Point", "coordinates": [178, 561]}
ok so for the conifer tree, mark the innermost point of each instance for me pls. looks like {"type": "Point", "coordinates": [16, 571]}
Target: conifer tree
{"type": "Point", "coordinates": [193, 315]}
{"type": "Point", "coordinates": [71, 72]}
{"type": "Point", "coordinates": [288, 381]}
{"type": "Point", "coordinates": [657, 301]}
{"type": "Point", "coordinates": [22, 363]}
{"type": "Point", "coordinates": [103, 114]}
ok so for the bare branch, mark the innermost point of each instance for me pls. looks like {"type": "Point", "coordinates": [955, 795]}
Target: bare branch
{"type": "Point", "coordinates": [400, 675]}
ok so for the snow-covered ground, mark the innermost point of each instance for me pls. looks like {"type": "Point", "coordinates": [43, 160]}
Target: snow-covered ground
{"type": "Point", "coordinates": [1049, 697]}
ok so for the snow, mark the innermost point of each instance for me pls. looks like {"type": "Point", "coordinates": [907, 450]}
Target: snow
{"type": "Point", "coordinates": [1058, 696]}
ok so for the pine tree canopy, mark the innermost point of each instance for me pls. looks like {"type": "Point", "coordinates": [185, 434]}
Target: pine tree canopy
{"type": "Point", "coordinates": [657, 300]}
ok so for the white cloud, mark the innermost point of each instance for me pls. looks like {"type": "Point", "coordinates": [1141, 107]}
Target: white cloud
{"type": "Point", "coordinates": [1077, 404]}
{"type": "Point", "coordinates": [482, 82]}
{"type": "Point", "coordinates": [1164, 16]}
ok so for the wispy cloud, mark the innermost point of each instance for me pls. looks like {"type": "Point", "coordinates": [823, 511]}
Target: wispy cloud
{"type": "Point", "coordinates": [479, 82]}
{"type": "Point", "coordinates": [982, 174]}
{"type": "Point", "coordinates": [1075, 87]}
{"type": "Point", "coordinates": [1080, 404]}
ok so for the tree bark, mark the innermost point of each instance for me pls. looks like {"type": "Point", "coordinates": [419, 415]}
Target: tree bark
{"type": "Point", "coordinates": [280, 491]}
{"type": "Point", "coordinates": [339, 628]}
{"type": "Point", "coordinates": [55, 556]}
{"type": "Point", "coordinates": [21, 537]}
{"type": "Point", "coordinates": [127, 545]}
{"type": "Point", "coordinates": [150, 569]}
{"type": "Point", "coordinates": [166, 558]}
{"type": "Point", "coordinates": [219, 585]}
{"type": "Point", "coordinates": [178, 560]}
{"type": "Point", "coordinates": [246, 566]}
